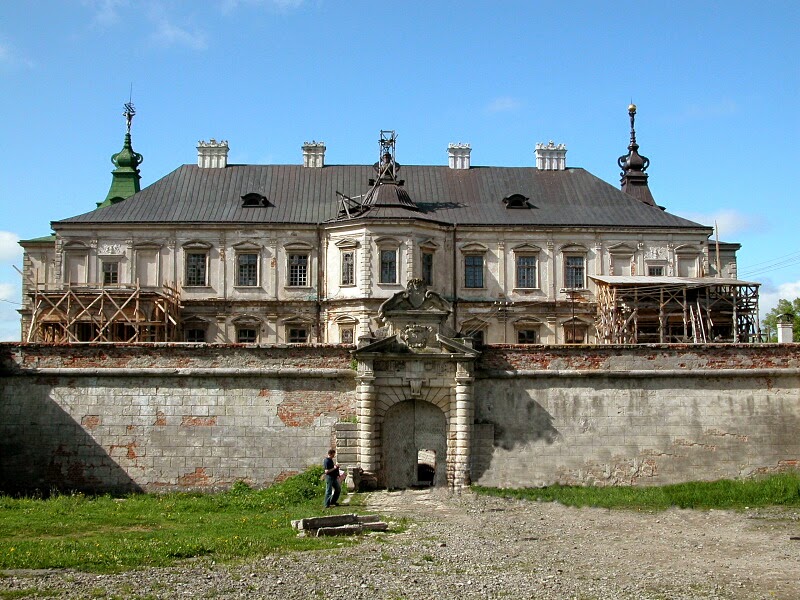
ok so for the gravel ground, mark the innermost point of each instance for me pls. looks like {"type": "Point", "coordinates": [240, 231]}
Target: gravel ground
{"type": "Point", "coordinates": [470, 546]}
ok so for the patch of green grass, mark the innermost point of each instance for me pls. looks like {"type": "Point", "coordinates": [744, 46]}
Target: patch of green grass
{"type": "Point", "coordinates": [775, 490]}
{"type": "Point", "coordinates": [105, 534]}
{"type": "Point", "coordinates": [28, 593]}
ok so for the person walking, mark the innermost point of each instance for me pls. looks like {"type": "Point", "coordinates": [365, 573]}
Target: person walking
{"type": "Point", "coordinates": [332, 485]}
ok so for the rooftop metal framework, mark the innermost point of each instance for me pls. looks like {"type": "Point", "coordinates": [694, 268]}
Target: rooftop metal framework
{"type": "Point", "coordinates": [639, 310]}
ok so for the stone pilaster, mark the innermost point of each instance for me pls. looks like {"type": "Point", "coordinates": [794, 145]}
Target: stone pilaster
{"type": "Point", "coordinates": [462, 416]}
{"type": "Point", "coordinates": [368, 444]}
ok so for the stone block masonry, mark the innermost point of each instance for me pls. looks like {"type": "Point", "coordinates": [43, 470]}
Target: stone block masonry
{"type": "Point", "coordinates": [122, 418]}
{"type": "Point", "coordinates": [105, 417]}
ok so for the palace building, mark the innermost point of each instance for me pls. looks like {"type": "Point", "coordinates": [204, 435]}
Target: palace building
{"type": "Point", "coordinates": [308, 253]}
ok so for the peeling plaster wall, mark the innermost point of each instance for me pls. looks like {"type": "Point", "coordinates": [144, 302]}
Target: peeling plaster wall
{"type": "Point", "coordinates": [635, 415]}
{"type": "Point", "coordinates": [151, 417]}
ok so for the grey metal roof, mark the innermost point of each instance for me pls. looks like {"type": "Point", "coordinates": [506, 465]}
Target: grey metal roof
{"type": "Point", "coordinates": [305, 195]}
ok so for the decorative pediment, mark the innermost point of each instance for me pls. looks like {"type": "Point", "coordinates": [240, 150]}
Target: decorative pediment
{"type": "Point", "coordinates": [575, 248]}
{"type": "Point", "coordinates": [416, 297]}
{"type": "Point", "coordinates": [196, 245]}
{"type": "Point", "coordinates": [687, 249]}
{"type": "Point", "coordinates": [474, 248]}
{"type": "Point", "coordinates": [429, 245]}
{"type": "Point", "coordinates": [526, 249]}
{"type": "Point", "coordinates": [622, 248]}
{"type": "Point", "coordinates": [347, 244]}
{"type": "Point", "coordinates": [246, 246]}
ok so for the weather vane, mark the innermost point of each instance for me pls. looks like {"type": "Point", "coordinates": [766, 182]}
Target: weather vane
{"type": "Point", "coordinates": [129, 110]}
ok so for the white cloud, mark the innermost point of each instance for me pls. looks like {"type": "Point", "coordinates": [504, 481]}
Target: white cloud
{"type": "Point", "coordinates": [281, 5]}
{"type": "Point", "coordinates": [9, 57]}
{"type": "Point", "coordinates": [729, 222]}
{"type": "Point", "coordinates": [769, 295]}
{"type": "Point", "coordinates": [167, 33]}
{"type": "Point", "coordinates": [503, 104]}
{"type": "Point", "coordinates": [9, 246]}
{"type": "Point", "coordinates": [106, 12]}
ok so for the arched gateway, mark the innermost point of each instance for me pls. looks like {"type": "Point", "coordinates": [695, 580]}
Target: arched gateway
{"type": "Point", "coordinates": [415, 404]}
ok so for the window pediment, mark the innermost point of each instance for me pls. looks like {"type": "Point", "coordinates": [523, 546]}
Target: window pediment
{"type": "Point", "coordinates": [622, 248]}
{"type": "Point", "coordinates": [526, 249]}
{"type": "Point", "coordinates": [429, 244]}
{"type": "Point", "coordinates": [297, 321]}
{"type": "Point", "coordinates": [346, 320]}
{"type": "Point", "coordinates": [474, 248]}
{"type": "Point", "coordinates": [523, 322]}
{"type": "Point", "coordinates": [196, 245]}
{"type": "Point", "coordinates": [347, 244]}
{"type": "Point", "coordinates": [574, 249]}
{"type": "Point", "coordinates": [388, 242]}
{"type": "Point", "coordinates": [298, 246]}
{"type": "Point", "coordinates": [687, 249]}
{"type": "Point", "coordinates": [75, 246]}
{"type": "Point", "coordinates": [246, 320]}
{"type": "Point", "coordinates": [247, 246]}
{"type": "Point", "coordinates": [147, 245]}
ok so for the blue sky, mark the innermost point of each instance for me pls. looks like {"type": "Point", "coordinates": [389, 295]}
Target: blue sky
{"type": "Point", "coordinates": [717, 85]}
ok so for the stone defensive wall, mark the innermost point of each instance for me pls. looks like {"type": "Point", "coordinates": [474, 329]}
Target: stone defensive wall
{"type": "Point", "coordinates": [106, 417]}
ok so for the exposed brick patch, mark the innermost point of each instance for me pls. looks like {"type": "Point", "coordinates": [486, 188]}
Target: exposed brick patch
{"type": "Point", "coordinates": [196, 478]}
{"type": "Point", "coordinates": [302, 408]}
{"type": "Point", "coordinates": [90, 422]}
{"type": "Point", "coordinates": [189, 421]}
{"type": "Point", "coordinates": [718, 433]}
{"type": "Point", "coordinates": [284, 475]}
{"type": "Point", "coordinates": [130, 450]}
{"type": "Point", "coordinates": [161, 419]}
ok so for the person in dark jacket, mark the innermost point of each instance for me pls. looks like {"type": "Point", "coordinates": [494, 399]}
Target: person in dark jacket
{"type": "Point", "coordinates": [332, 485]}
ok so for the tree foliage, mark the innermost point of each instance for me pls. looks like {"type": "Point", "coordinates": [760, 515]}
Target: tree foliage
{"type": "Point", "coordinates": [770, 322]}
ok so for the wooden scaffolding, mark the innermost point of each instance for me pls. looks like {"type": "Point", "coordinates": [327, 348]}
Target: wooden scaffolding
{"type": "Point", "coordinates": [640, 310]}
{"type": "Point", "coordinates": [101, 313]}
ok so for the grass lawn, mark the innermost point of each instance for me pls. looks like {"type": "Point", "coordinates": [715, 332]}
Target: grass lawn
{"type": "Point", "coordinates": [104, 534]}
{"type": "Point", "coordinates": [775, 490]}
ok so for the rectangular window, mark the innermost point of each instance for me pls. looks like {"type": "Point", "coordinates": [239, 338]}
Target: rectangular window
{"type": "Point", "coordinates": [110, 273]}
{"type": "Point", "coordinates": [348, 268]}
{"type": "Point", "coordinates": [655, 271]}
{"type": "Point", "coordinates": [388, 266]}
{"type": "Point", "coordinates": [526, 272]}
{"type": "Point", "coordinates": [247, 270]}
{"type": "Point", "coordinates": [298, 335]}
{"type": "Point", "coordinates": [574, 334]}
{"type": "Point", "coordinates": [473, 271]}
{"type": "Point", "coordinates": [687, 267]}
{"type": "Point", "coordinates": [347, 335]}
{"type": "Point", "coordinates": [574, 272]}
{"type": "Point", "coordinates": [195, 335]}
{"type": "Point", "coordinates": [527, 336]}
{"type": "Point", "coordinates": [147, 266]}
{"type": "Point", "coordinates": [298, 270]}
{"type": "Point", "coordinates": [246, 335]}
{"type": "Point", "coordinates": [196, 268]}
{"type": "Point", "coordinates": [427, 268]}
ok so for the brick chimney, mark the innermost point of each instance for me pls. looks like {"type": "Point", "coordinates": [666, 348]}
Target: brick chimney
{"type": "Point", "coordinates": [212, 154]}
{"type": "Point", "coordinates": [458, 155]}
{"type": "Point", "coordinates": [314, 154]}
{"type": "Point", "coordinates": [551, 157]}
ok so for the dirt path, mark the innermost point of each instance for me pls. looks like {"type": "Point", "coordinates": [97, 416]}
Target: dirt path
{"type": "Point", "coordinates": [677, 553]}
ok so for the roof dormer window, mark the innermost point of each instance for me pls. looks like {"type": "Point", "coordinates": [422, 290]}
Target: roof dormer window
{"type": "Point", "coordinates": [254, 199]}
{"type": "Point", "coordinates": [516, 201]}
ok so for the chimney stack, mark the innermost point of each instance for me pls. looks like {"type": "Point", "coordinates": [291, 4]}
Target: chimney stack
{"type": "Point", "coordinates": [212, 154]}
{"type": "Point", "coordinates": [551, 157]}
{"type": "Point", "coordinates": [314, 154]}
{"type": "Point", "coordinates": [458, 155]}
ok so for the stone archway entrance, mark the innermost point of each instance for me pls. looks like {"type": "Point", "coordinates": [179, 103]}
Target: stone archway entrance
{"type": "Point", "coordinates": [414, 445]}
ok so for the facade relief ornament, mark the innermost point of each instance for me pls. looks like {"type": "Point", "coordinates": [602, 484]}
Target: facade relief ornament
{"type": "Point", "coordinates": [655, 253]}
{"type": "Point", "coordinates": [110, 249]}
{"type": "Point", "coordinates": [416, 336]}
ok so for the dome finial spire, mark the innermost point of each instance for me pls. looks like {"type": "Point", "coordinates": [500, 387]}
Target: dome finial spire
{"type": "Point", "coordinates": [125, 178]}
{"type": "Point", "coordinates": [634, 165]}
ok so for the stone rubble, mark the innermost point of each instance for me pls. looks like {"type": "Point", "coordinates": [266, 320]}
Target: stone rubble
{"type": "Point", "coordinates": [468, 546]}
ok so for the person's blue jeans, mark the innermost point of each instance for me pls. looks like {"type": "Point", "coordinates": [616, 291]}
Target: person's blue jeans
{"type": "Point", "coordinates": [332, 490]}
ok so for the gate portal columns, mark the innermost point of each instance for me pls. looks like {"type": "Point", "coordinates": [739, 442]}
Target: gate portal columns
{"type": "Point", "coordinates": [461, 414]}
{"type": "Point", "coordinates": [368, 450]}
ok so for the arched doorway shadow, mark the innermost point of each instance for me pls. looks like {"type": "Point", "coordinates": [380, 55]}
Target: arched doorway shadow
{"type": "Point", "coordinates": [414, 445]}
